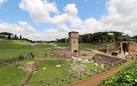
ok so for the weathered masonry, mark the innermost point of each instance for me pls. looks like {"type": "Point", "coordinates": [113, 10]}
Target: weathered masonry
{"type": "Point", "coordinates": [73, 42]}
{"type": "Point", "coordinates": [122, 49]}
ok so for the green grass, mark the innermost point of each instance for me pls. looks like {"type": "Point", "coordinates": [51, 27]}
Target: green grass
{"type": "Point", "coordinates": [52, 70]}
{"type": "Point", "coordinates": [12, 43]}
{"type": "Point", "coordinates": [62, 44]}
{"type": "Point", "coordinates": [11, 75]}
{"type": "Point", "coordinates": [14, 48]}
{"type": "Point", "coordinates": [87, 46]}
{"type": "Point", "coordinates": [53, 55]}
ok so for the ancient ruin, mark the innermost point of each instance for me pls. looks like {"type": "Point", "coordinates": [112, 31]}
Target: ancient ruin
{"type": "Point", "coordinates": [115, 52]}
{"type": "Point", "coordinates": [121, 49]}
{"type": "Point", "coordinates": [31, 67]}
{"type": "Point", "coordinates": [73, 42]}
{"type": "Point", "coordinates": [73, 49]}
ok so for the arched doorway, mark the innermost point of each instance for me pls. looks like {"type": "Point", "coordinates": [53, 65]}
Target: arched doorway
{"type": "Point", "coordinates": [125, 47]}
{"type": "Point", "coordinates": [114, 54]}
{"type": "Point", "coordinates": [75, 51]}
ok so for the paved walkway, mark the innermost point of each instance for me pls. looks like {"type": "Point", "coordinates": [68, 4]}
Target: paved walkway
{"type": "Point", "coordinates": [93, 81]}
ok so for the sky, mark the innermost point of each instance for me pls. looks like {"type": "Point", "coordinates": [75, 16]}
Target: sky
{"type": "Point", "coordinates": [53, 19]}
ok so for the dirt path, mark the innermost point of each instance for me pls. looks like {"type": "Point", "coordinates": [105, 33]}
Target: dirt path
{"type": "Point", "coordinates": [93, 81]}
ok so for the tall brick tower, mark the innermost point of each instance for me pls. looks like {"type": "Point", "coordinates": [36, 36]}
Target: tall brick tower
{"type": "Point", "coordinates": [73, 41]}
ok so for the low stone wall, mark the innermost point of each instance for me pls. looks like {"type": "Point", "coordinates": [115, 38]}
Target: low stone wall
{"type": "Point", "coordinates": [133, 48]}
{"type": "Point", "coordinates": [106, 60]}
{"type": "Point", "coordinates": [63, 52]}
{"type": "Point", "coordinates": [86, 52]}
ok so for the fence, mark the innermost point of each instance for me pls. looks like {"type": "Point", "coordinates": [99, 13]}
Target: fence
{"type": "Point", "coordinates": [70, 78]}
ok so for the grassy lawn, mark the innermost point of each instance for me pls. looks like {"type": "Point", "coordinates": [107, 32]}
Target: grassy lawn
{"type": "Point", "coordinates": [11, 75]}
{"type": "Point", "coordinates": [87, 46]}
{"type": "Point", "coordinates": [52, 70]}
{"type": "Point", "coordinates": [62, 44]}
{"type": "Point", "coordinates": [14, 48]}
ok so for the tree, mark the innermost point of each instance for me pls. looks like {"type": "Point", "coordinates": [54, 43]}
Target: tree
{"type": "Point", "coordinates": [15, 37]}
{"type": "Point", "coordinates": [97, 37]}
{"type": "Point", "coordinates": [135, 37]}
{"type": "Point", "coordinates": [63, 40]}
{"type": "Point", "coordinates": [117, 34]}
{"type": "Point", "coordinates": [5, 35]}
{"type": "Point", "coordinates": [9, 37]}
{"type": "Point", "coordinates": [20, 37]}
{"type": "Point", "coordinates": [126, 38]}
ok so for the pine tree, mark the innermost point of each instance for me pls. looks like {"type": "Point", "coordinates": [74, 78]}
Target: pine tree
{"type": "Point", "coordinates": [20, 37]}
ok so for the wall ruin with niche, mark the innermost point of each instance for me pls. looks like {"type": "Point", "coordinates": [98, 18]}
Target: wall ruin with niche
{"type": "Point", "coordinates": [122, 49]}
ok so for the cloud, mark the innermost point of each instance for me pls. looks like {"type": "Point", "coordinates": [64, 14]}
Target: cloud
{"type": "Point", "coordinates": [22, 28]}
{"type": "Point", "coordinates": [71, 9]}
{"type": "Point", "coordinates": [2, 1]}
{"type": "Point", "coordinates": [39, 10]}
{"type": "Point", "coordinates": [27, 31]}
{"type": "Point", "coordinates": [121, 17]}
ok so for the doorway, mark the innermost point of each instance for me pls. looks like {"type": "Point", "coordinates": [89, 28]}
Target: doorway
{"type": "Point", "coordinates": [125, 47]}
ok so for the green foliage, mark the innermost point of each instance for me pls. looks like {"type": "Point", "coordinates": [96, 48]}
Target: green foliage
{"type": "Point", "coordinates": [63, 40]}
{"type": "Point", "coordinates": [135, 38]}
{"type": "Point", "coordinates": [5, 33]}
{"type": "Point", "coordinates": [103, 37]}
{"type": "Point", "coordinates": [126, 77]}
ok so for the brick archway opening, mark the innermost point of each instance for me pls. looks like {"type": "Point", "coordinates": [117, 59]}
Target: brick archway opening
{"type": "Point", "coordinates": [125, 47]}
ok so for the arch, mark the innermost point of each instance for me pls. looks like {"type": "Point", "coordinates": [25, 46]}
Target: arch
{"type": "Point", "coordinates": [125, 47]}
{"type": "Point", "coordinates": [75, 51]}
{"type": "Point", "coordinates": [114, 54]}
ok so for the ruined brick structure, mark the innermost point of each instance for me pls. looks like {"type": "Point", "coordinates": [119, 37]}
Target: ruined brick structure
{"type": "Point", "coordinates": [29, 67]}
{"type": "Point", "coordinates": [122, 49]}
{"type": "Point", "coordinates": [73, 49]}
{"type": "Point", "coordinates": [73, 41]}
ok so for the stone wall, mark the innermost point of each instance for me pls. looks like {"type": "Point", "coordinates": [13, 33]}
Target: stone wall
{"type": "Point", "coordinates": [62, 51]}
{"type": "Point", "coordinates": [106, 60]}
{"type": "Point", "coordinates": [133, 48]}
{"type": "Point", "coordinates": [86, 52]}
